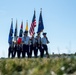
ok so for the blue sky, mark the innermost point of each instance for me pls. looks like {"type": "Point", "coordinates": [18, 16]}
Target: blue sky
{"type": "Point", "coordinates": [59, 18]}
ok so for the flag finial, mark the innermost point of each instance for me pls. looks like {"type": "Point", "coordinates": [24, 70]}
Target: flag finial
{"type": "Point", "coordinates": [16, 19]}
{"type": "Point", "coordinates": [26, 20]}
{"type": "Point", "coordinates": [34, 9]}
{"type": "Point", "coordinates": [40, 9]}
{"type": "Point", "coordinates": [11, 18]}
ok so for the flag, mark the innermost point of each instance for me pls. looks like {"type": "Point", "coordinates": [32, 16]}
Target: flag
{"type": "Point", "coordinates": [10, 38]}
{"type": "Point", "coordinates": [20, 34]}
{"type": "Point", "coordinates": [26, 29]}
{"type": "Point", "coordinates": [33, 25]}
{"type": "Point", "coordinates": [40, 24]}
{"type": "Point", "coordinates": [21, 30]}
{"type": "Point", "coordinates": [15, 33]}
{"type": "Point", "coordinates": [19, 40]}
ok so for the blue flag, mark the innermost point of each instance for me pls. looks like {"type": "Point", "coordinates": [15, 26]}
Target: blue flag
{"type": "Point", "coordinates": [10, 38]}
{"type": "Point", "coordinates": [15, 33]}
{"type": "Point", "coordinates": [40, 24]}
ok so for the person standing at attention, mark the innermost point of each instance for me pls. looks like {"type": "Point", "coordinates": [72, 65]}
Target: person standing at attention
{"type": "Point", "coordinates": [38, 44]}
{"type": "Point", "coordinates": [33, 46]}
{"type": "Point", "coordinates": [44, 42]}
{"type": "Point", "coordinates": [26, 43]}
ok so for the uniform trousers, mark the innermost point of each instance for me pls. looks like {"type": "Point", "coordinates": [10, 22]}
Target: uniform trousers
{"type": "Point", "coordinates": [33, 48]}
{"type": "Point", "coordinates": [18, 51]}
{"type": "Point", "coordinates": [38, 47]}
{"type": "Point", "coordinates": [10, 52]}
{"type": "Point", "coordinates": [25, 50]}
{"type": "Point", "coordinates": [45, 48]}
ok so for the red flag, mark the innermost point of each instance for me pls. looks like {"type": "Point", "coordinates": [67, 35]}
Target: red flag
{"type": "Point", "coordinates": [19, 40]}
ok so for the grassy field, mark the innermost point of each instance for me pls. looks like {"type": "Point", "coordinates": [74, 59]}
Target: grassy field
{"type": "Point", "coordinates": [38, 66]}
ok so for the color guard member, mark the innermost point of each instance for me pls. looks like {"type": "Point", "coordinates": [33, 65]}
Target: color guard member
{"type": "Point", "coordinates": [44, 42]}
{"type": "Point", "coordinates": [38, 44]}
{"type": "Point", "coordinates": [33, 46]}
{"type": "Point", "coordinates": [26, 43]}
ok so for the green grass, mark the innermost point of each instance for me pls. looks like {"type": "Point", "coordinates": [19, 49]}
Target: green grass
{"type": "Point", "coordinates": [37, 66]}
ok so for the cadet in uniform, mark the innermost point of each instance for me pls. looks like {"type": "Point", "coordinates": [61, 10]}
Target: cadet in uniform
{"type": "Point", "coordinates": [33, 46]}
{"type": "Point", "coordinates": [15, 49]}
{"type": "Point", "coordinates": [10, 50]}
{"type": "Point", "coordinates": [44, 42]}
{"type": "Point", "coordinates": [26, 43]}
{"type": "Point", "coordinates": [38, 44]}
{"type": "Point", "coordinates": [18, 50]}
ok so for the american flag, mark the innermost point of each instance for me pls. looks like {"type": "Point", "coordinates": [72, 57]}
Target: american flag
{"type": "Point", "coordinates": [33, 25]}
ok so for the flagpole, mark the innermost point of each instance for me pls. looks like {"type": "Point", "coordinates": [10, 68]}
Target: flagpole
{"type": "Point", "coordinates": [17, 29]}
{"type": "Point", "coordinates": [12, 28]}
{"type": "Point", "coordinates": [41, 14]}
